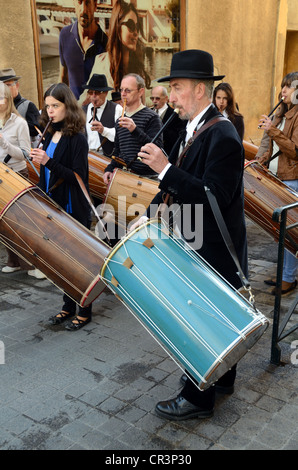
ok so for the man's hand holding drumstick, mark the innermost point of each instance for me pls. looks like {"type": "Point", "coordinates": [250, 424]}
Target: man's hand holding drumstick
{"type": "Point", "coordinates": [154, 157]}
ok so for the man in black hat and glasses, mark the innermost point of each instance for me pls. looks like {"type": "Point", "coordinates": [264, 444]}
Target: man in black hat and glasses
{"type": "Point", "coordinates": [101, 116]}
{"type": "Point", "coordinates": [214, 160]}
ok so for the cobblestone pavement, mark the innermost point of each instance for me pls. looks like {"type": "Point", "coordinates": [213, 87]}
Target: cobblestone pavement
{"type": "Point", "coordinates": [97, 388]}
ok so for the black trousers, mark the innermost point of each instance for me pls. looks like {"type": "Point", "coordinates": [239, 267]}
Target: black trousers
{"type": "Point", "coordinates": [206, 398]}
{"type": "Point", "coordinates": [70, 306]}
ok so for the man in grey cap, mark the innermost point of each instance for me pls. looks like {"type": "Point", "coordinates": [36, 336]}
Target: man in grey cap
{"type": "Point", "coordinates": [25, 107]}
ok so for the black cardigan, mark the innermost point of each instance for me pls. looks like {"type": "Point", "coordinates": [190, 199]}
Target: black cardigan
{"type": "Point", "coordinates": [71, 155]}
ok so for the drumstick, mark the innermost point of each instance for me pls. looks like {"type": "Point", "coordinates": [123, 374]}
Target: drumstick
{"type": "Point", "coordinates": [176, 111]}
{"type": "Point", "coordinates": [272, 111]}
{"type": "Point", "coordinates": [85, 192]}
{"type": "Point", "coordinates": [123, 109]}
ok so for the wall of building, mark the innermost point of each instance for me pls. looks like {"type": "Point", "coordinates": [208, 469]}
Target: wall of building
{"type": "Point", "coordinates": [17, 46]}
{"type": "Point", "coordinates": [247, 38]}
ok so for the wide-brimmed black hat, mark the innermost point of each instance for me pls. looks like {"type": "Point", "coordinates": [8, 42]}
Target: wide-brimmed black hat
{"type": "Point", "coordinates": [97, 83]}
{"type": "Point", "coordinates": [116, 96]}
{"type": "Point", "coordinates": [8, 74]}
{"type": "Point", "coordinates": [192, 63]}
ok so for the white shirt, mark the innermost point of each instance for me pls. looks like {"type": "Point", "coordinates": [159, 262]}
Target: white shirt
{"type": "Point", "coordinates": [109, 133]}
{"type": "Point", "coordinates": [274, 163]}
{"type": "Point", "coordinates": [190, 128]}
{"type": "Point", "coordinates": [162, 111]}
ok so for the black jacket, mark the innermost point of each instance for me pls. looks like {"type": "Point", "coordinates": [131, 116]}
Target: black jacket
{"type": "Point", "coordinates": [71, 155]}
{"type": "Point", "coordinates": [215, 160]}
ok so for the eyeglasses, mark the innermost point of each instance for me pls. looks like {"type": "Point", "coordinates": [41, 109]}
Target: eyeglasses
{"type": "Point", "coordinates": [157, 98]}
{"type": "Point", "coordinates": [127, 90]}
{"type": "Point", "coordinates": [11, 84]}
{"type": "Point", "coordinates": [94, 92]}
{"type": "Point", "coordinates": [132, 26]}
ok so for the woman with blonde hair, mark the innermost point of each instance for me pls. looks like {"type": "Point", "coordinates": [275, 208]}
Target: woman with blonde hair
{"type": "Point", "coordinates": [14, 140]}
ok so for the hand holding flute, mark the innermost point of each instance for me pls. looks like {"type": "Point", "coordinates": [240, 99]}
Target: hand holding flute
{"type": "Point", "coordinates": [265, 121]}
{"type": "Point", "coordinates": [38, 154]}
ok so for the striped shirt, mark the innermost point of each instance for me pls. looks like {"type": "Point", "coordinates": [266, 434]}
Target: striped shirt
{"type": "Point", "coordinates": [128, 144]}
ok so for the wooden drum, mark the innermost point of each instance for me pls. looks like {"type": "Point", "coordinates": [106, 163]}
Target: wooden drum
{"type": "Point", "coordinates": [128, 195]}
{"type": "Point", "coordinates": [40, 232]}
{"type": "Point", "coordinates": [263, 193]}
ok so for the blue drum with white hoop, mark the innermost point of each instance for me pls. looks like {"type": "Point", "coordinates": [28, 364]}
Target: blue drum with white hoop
{"type": "Point", "coordinates": [201, 321]}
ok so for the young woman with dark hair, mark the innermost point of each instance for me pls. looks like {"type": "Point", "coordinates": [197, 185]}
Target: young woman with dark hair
{"type": "Point", "coordinates": [64, 153]}
{"type": "Point", "coordinates": [224, 100]}
{"type": "Point", "coordinates": [124, 49]}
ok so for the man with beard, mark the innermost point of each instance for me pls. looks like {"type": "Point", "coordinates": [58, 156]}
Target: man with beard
{"type": "Point", "coordinates": [79, 43]}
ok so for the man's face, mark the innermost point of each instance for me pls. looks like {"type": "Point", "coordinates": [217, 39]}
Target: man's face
{"type": "Point", "coordinates": [85, 10]}
{"type": "Point", "coordinates": [129, 92]}
{"type": "Point", "coordinates": [157, 98]}
{"type": "Point", "coordinates": [183, 97]}
{"type": "Point", "coordinates": [14, 87]}
{"type": "Point", "coordinates": [97, 98]}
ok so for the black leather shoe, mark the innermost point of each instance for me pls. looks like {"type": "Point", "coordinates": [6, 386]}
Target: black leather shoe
{"type": "Point", "coordinates": [222, 389]}
{"type": "Point", "coordinates": [179, 409]}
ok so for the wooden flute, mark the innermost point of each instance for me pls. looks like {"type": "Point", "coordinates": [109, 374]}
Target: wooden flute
{"type": "Point", "coordinates": [272, 111]}
{"type": "Point", "coordinates": [44, 133]}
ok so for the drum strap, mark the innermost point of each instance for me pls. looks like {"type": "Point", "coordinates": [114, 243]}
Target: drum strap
{"type": "Point", "coordinates": [227, 239]}
{"type": "Point", "coordinates": [85, 192]}
{"type": "Point", "coordinates": [167, 197]}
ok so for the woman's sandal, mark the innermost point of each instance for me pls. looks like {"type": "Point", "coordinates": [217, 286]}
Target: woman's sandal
{"type": "Point", "coordinates": [77, 323]}
{"type": "Point", "coordinates": [60, 317]}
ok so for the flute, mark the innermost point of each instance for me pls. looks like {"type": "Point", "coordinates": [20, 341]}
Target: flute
{"type": "Point", "coordinates": [44, 132]}
{"type": "Point", "coordinates": [272, 111]}
{"type": "Point", "coordinates": [123, 109]}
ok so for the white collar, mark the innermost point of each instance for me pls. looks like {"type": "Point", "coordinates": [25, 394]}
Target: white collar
{"type": "Point", "coordinates": [193, 125]}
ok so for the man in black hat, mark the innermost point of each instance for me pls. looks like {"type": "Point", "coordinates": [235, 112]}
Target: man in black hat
{"type": "Point", "coordinates": [214, 160]}
{"type": "Point", "coordinates": [101, 116]}
{"type": "Point", "coordinates": [25, 107]}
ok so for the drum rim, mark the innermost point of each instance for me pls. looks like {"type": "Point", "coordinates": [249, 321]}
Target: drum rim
{"type": "Point", "coordinates": [14, 199]}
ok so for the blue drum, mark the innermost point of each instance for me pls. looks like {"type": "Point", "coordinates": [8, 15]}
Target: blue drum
{"type": "Point", "coordinates": [204, 324]}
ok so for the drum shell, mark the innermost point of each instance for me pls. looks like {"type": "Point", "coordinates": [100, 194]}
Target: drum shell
{"type": "Point", "coordinates": [129, 195]}
{"type": "Point", "coordinates": [176, 296]}
{"type": "Point", "coordinates": [97, 164]}
{"type": "Point", "coordinates": [263, 193]}
{"type": "Point", "coordinates": [35, 228]}
{"type": "Point", "coordinates": [250, 150]}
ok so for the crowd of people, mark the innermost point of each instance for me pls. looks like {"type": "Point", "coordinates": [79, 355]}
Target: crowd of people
{"type": "Point", "coordinates": [202, 148]}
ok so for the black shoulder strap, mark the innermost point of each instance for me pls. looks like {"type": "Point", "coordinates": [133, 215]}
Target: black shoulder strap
{"type": "Point", "coordinates": [225, 235]}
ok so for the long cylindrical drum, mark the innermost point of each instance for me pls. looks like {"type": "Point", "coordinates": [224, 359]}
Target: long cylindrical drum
{"type": "Point", "coordinates": [201, 320]}
{"type": "Point", "coordinates": [97, 164]}
{"type": "Point", "coordinates": [128, 195]}
{"type": "Point", "coordinates": [40, 232]}
{"type": "Point", "coordinates": [263, 193]}
{"type": "Point", "coordinates": [250, 150]}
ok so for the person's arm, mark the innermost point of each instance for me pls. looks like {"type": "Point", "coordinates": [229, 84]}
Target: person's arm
{"type": "Point", "coordinates": [14, 146]}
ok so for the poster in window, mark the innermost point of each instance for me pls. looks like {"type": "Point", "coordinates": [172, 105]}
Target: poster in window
{"type": "Point", "coordinates": [113, 37]}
